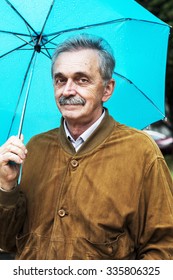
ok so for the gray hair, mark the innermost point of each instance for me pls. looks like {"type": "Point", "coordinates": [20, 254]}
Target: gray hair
{"type": "Point", "coordinates": [86, 41]}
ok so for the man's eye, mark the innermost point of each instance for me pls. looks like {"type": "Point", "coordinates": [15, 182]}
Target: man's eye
{"type": "Point", "coordinates": [83, 80]}
{"type": "Point", "coordinates": [59, 81]}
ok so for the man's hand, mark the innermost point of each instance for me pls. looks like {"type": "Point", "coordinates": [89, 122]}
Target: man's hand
{"type": "Point", "coordinates": [12, 155]}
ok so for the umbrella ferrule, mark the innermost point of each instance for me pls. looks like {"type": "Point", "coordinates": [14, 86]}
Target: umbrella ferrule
{"type": "Point", "coordinates": [37, 48]}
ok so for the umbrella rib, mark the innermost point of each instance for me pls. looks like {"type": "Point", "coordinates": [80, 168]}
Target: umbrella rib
{"type": "Point", "coordinates": [14, 33]}
{"type": "Point", "coordinates": [49, 41]}
{"type": "Point", "coordinates": [83, 27]}
{"type": "Point", "coordinates": [47, 55]}
{"type": "Point", "coordinates": [30, 34]}
{"type": "Point", "coordinates": [17, 12]}
{"type": "Point", "coordinates": [49, 12]}
{"type": "Point", "coordinates": [30, 49]}
{"type": "Point", "coordinates": [130, 82]}
{"type": "Point", "coordinates": [21, 91]}
{"type": "Point", "coordinates": [18, 48]}
{"type": "Point", "coordinates": [56, 34]}
{"type": "Point", "coordinates": [28, 43]}
{"type": "Point", "coordinates": [26, 49]}
{"type": "Point", "coordinates": [46, 49]}
{"type": "Point", "coordinates": [100, 24]}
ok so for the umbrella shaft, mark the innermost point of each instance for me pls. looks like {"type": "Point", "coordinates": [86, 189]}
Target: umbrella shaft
{"type": "Point", "coordinates": [27, 94]}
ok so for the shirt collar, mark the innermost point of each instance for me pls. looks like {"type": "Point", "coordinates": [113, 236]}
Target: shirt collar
{"type": "Point", "coordinates": [85, 135]}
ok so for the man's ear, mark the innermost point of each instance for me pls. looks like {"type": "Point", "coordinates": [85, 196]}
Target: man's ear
{"type": "Point", "coordinates": [109, 88]}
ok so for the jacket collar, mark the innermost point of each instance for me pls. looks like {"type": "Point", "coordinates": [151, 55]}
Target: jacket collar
{"type": "Point", "coordinates": [96, 138]}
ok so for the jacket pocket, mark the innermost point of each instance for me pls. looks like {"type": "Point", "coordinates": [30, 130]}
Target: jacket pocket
{"type": "Point", "coordinates": [118, 248]}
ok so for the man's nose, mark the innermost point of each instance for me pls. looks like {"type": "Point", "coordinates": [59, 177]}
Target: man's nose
{"type": "Point", "coordinates": [69, 88]}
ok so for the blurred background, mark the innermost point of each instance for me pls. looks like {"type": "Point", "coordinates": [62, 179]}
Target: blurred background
{"type": "Point", "coordinates": [162, 131]}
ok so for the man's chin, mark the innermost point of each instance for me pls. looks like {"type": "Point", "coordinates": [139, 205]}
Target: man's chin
{"type": "Point", "coordinates": [71, 112]}
{"type": "Point", "coordinates": [70, 108]}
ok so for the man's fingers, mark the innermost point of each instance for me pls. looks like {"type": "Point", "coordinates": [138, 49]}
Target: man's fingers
{"type": "Point", "coordinates": [13, 150]}
{"type": "Point", "coordinates": [11, 157]}
{"type": "Point", "coordinates": [16, 150]}
{"type": "Point", "coordinates": [16, 142]}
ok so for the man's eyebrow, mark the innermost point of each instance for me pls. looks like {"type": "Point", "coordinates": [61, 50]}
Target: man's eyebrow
{"type": "Point", "coordinates": [80, 73]}
{"type": "Point", "coordinates": [58, 74]}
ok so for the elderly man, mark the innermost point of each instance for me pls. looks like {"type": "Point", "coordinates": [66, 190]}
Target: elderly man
{"type": "Point", "coordinates": [92, 188]}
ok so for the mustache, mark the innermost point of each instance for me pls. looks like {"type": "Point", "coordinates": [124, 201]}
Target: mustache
{"type": "Point", "coordinates": [71, 100]}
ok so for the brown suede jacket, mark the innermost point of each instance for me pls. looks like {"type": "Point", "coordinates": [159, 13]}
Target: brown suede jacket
{"type": "Point", "coordinates": [113, 199]}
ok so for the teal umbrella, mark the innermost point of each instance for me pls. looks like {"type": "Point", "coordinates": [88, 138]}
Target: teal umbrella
{"type": "Point", "coordinates": [29, 33]}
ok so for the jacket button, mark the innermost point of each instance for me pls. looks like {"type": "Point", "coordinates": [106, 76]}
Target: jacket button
{"type": "Point", "coordinates": [74, 163]}
{"type": "Point", "coordinates": [110, 249]}
{"type": "Point", "coordinates": [61, 213]}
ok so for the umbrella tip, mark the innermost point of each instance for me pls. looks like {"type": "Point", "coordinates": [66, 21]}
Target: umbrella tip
{"type": "Point", "coordinates": [37, 48]}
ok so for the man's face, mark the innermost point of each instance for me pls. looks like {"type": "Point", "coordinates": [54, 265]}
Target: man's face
{"type": "Point", "coordinates": [76, 76]}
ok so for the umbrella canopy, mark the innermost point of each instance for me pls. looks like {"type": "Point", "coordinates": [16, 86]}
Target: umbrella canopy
{"type": "Point", "coordinates": [29, 33]}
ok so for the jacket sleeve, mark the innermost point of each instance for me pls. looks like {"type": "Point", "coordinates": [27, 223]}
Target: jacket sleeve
{"type": "Point", "coordinates": [155, 236]}
{"type": "Point", "coordinates": [12, 216]}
